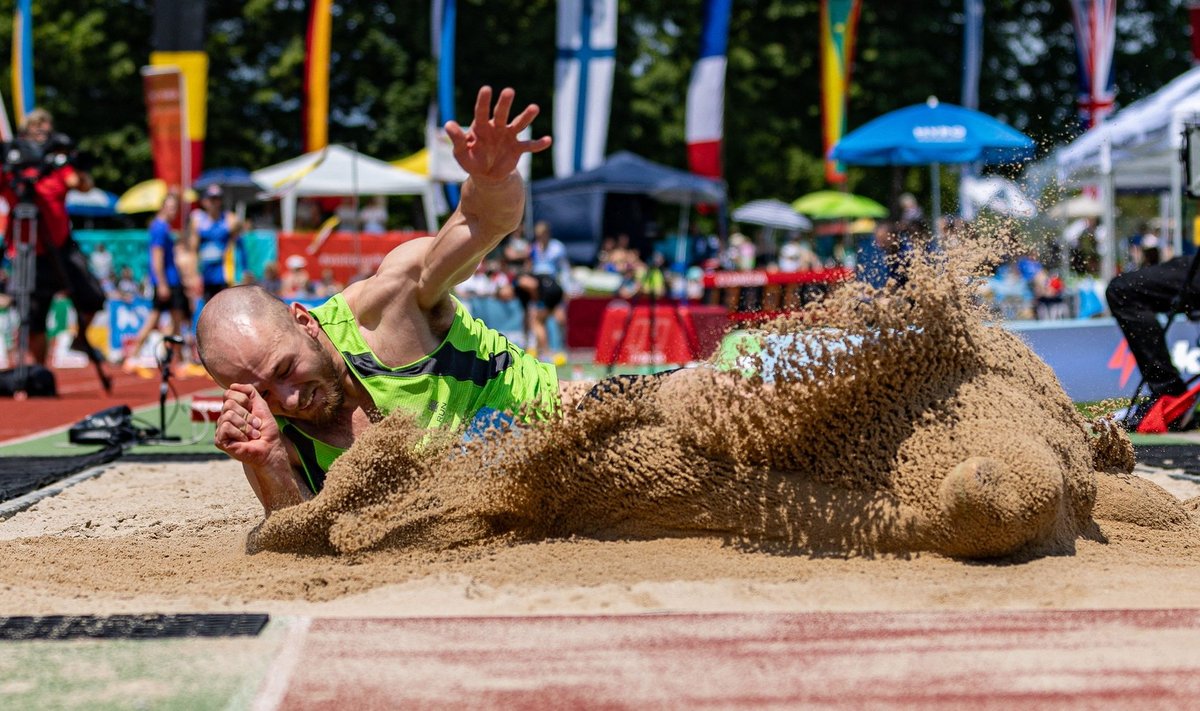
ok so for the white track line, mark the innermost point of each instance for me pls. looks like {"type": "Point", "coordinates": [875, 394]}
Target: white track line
{"type": "Point", "coordinates": [15, 506]}
{"type": "Point", "coordinates": [279, 675]}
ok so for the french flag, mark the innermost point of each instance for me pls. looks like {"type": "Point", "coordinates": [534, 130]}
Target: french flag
{"type": "Point", "coordinates": [706, 93]}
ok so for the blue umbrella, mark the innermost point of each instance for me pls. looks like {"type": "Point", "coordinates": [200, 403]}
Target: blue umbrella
{"type": "Point", "coordinates": [93, 203]}
{"type": "Point", "coordinates": [226, 177]}
{"type": "Point", "coordinates": [931, 134]}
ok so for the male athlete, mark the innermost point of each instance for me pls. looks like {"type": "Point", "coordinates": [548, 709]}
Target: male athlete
{"type": "Point", "coordinates": [303, 384]}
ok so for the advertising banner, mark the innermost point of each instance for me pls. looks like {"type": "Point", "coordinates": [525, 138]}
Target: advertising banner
{"type": "Point", "coordinates": [165, 116]}
{"type": "Point", "coordinates": [1092, 360]}
{"type": "Point", "coordinates": [345, 253]}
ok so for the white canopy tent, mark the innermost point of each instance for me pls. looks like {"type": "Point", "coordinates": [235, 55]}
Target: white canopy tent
{"type": "Point", "coordinates": [1138, 149]}
{"type": "Point", "coordinates": [338, 170]}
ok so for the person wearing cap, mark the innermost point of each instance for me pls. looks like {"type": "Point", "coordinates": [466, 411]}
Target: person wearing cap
{"type": "Point", "coordinates": [214, 236]}
{"type": "Point", "coordinates": [302, 384]}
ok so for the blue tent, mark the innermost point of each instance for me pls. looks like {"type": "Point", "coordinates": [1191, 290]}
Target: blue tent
{"type": "Point", "coordinates": [619, 196]}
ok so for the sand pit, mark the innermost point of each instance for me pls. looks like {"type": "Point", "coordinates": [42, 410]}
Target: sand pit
{"type": "Point", "coordinates": [143, 538]}
{"type": "Point", "coordinates": [918, 459]}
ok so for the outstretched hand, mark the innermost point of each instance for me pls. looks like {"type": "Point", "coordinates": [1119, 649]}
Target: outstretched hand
{"type": "Point", "coordinates": [490, 148]}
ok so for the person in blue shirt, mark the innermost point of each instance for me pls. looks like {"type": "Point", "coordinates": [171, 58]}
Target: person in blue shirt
{"type": "Point", "coordinates": [214, 236]}
{"type": "Point", "coordinates": [169, 295]}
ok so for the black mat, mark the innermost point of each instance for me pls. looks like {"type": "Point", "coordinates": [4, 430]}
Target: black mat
{"type": "Point", "coordinates": [56, 627]}
{"type": "Point", "coordinates": [1170, 456]}
{"type": "Point", "coordinates": [21, 475]}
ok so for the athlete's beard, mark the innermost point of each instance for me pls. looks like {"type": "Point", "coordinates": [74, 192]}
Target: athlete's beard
{"type": "Point", "coordinates": [330, 384]}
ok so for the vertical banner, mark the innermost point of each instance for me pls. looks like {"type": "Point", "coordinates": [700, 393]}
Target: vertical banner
{"type": "Point", "coordinates": [972, 52]}
{"type": "Point", "coordinates": [583, 77]}
{"type": "Point", "coordinates": [442, 166]}
{"type": "Point", "coordinates": [22, 60]}
{"type": "Point", "coordinates": [166, 115]}
{"type": "Point", "coordinates": [839, 25]}
{"type": "Point", "coordinates": [178, 41]}
{"type": "Point", "coordinates": [194, 68]}
{"type": "Point", "coordinates": [1095, 24]}
{"type": "Point", "coordinates": [1193, 9]}
{"type": "Point", "coordinates": [972, 63]}
{"type": "Point", "coordinates": [315, 99]}
{"type": "Point", "coordinates": [705, 121]}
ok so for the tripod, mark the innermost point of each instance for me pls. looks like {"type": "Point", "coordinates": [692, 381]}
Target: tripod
{"type": "Point", "coordinates": [24, 232]}
{"type": "Point", "coordinates": [164, 387]}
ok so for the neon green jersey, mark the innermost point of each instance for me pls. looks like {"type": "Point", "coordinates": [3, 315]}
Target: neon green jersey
{"type": "Point", "coordinates": [474, 375]}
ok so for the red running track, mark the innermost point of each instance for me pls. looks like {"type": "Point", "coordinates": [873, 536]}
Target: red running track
{"type": "Point", "coordinates": [926, 660]}
{"type": "Point", "coordinates": [80, 395]}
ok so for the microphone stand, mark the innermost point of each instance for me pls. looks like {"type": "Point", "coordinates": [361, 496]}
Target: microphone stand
{"type": "Point", "coordinates": [164, 387]}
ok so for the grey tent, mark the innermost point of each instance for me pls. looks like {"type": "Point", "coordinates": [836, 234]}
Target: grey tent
{"type": "Point", "coordinates": [622, 195]}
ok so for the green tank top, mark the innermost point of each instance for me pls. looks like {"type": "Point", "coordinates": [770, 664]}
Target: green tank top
{"type": "Point", "coordinates": [475, 375]}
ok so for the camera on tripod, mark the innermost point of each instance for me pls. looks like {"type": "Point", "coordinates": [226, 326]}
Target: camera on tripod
{"type": "Point", "coordinates": [28, 159]}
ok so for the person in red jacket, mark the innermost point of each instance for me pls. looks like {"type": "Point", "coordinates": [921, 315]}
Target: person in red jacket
{"type": "Point", "coordinates": [60, 266]}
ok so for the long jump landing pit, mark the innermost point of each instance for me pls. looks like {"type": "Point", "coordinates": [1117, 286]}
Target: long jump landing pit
{"type": "Point", "coordinates": [571, 622]}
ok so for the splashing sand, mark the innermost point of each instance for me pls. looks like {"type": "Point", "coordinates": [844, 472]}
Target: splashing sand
{"type": "Point", "coordinates": [887, 420]}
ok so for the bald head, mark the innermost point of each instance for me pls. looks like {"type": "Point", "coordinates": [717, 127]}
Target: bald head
{"type": "Point", "coordinates": [240, 316]}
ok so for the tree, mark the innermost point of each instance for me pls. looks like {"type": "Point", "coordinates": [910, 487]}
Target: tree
{"type": "Point", "coordinates": [383, 75]}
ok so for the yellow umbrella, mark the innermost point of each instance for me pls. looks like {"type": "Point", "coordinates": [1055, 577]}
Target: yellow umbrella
{"type": "Point", "coordinates": [147, 196]}
{"type": "Point", "coordinates": [416, 163]}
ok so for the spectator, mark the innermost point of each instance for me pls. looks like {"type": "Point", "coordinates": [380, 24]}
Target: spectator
{"type": "Point", "coordinates": [101, 263]}
{"type": "Point", "coordinates": [127, 286]}
{"type": "Point", "coordinates": [328, 285]}
{"type": "Point", "coordinates": [214, 236]}
{"type": "Point", "coordinates": [374, 216]}
{"type": "Point", "coordinates": [169, 297]}
{"type": "Point", "coordinates": [296, 282]}
{"type": "Point", "coordinates": [270, 278]}
{"type": "Point", "coordinates": [548, 259]}
{"type": "Point", "coordinates": [740, 255]}
{"type": "Point", "coordinates": [910, 209]}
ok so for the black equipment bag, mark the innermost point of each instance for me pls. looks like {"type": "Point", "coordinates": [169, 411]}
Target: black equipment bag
{"type": "Point", "coordinates": [38, 382]}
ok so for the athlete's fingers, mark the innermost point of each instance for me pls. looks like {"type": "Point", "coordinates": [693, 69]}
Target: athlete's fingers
{"type": "Point", "coordinates": [537, 146]}
{"type": "Point", "coordinates": [457, 135]}
{"type": "Point", "coordinates": [503, 106]}
{"type": "Point", "coordinates": [526, 117]}
{"type": "Point", "coordinates": [483, 103]}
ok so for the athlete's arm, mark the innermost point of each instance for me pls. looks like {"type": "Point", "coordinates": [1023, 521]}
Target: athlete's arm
{"type": "Point", "coordinates": [493, 198]}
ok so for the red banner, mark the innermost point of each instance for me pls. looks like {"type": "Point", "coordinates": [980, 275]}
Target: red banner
{"type": "Point", "coordinates": [343, 252]}
{"type": "Point", "coordinates": [165, 106]}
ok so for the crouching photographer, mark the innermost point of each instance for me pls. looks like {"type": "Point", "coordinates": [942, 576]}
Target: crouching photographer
{"type": "Point", "coordinates": [39, 167]}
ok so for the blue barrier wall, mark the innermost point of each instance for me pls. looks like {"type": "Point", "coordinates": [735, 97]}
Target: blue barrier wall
{"type": "Point", "coordinates": [1091, 359]}
{"type": "Point", "coordinates": [129, 248]}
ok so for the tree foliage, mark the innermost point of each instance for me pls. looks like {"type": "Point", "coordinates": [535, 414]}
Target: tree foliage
{"type": "Point", "coordinates": [383, 75]}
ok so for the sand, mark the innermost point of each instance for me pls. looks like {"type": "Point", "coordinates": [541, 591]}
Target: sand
{"type": "Point", "coordinates": [143, 538]}
{"type": "Point", "coordinates": [888, 450]}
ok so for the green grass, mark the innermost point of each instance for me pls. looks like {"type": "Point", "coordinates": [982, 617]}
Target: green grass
{"type": "Point", "coordinates": [195, 437]}
{"type": "Point", "coordinates": [99, 674]}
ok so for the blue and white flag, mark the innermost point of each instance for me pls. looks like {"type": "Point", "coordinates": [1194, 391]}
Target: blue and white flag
{"type": "Point", "coordinates": [583, 78]}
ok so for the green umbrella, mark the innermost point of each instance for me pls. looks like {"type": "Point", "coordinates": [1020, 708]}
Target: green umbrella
{"type": "Point", "coordinates": [833, 205]}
